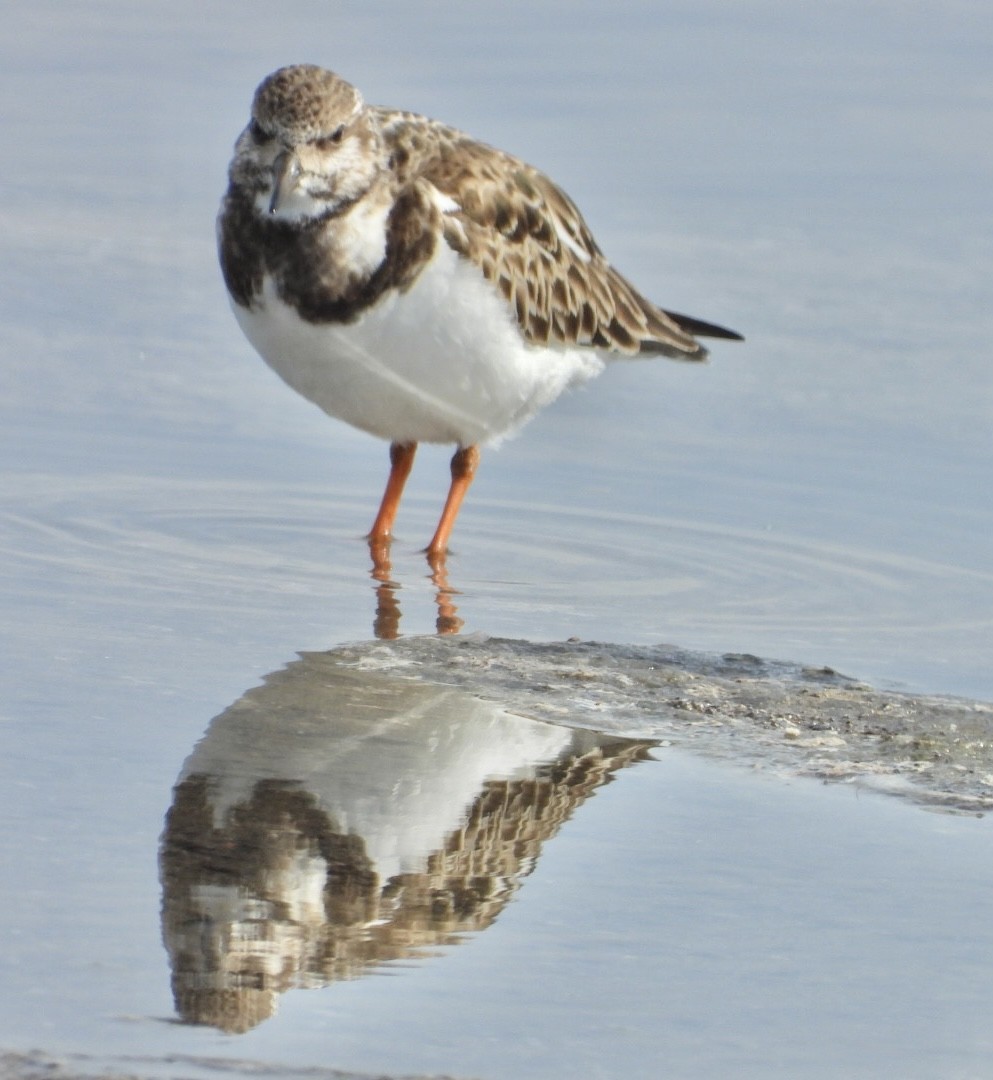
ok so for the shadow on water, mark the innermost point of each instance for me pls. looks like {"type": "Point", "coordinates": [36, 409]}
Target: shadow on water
{"type": "Point", "coordinates": [337, 819]}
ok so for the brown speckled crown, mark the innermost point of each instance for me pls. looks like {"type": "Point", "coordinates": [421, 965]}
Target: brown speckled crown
{"type": "Point", "coordinates": [304, 101]}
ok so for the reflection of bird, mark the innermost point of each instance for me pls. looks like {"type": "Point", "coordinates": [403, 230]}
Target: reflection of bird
{"type": "Point", "coordinates": [416, 283]}
{"type": "Point", "coordinates": [336, 819]}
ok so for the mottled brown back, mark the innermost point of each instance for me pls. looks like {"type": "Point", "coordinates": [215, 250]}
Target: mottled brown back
{"type": "Point", "coordinates": [528, 238]}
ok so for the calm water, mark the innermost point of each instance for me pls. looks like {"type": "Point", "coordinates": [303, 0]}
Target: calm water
{"type": "Point", "coordinates": [177, 526]}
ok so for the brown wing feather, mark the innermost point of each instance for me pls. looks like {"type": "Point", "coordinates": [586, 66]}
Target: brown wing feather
{"type": "Point", "coordinates": [529, 238]}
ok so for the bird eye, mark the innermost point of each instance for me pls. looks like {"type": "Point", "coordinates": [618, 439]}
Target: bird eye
{"type": "Point", "coordinates": [328, 142]}
{"type": "Point", "coordinates": [259, 134]}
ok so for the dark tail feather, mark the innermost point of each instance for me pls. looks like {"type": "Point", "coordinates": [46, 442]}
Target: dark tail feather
{"type": "Point", "coordinates": [699, 328]}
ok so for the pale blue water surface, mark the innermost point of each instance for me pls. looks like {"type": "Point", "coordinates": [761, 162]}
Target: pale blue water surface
{"type": "Point", "coordinates": [176, 525]}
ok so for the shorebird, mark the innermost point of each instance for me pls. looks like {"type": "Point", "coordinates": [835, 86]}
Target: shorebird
{"type": "Point", "coordinates": [416, 283]}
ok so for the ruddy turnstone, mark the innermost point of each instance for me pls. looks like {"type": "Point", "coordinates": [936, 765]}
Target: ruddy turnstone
{"type": "Point", "coordinates": [416, 283]}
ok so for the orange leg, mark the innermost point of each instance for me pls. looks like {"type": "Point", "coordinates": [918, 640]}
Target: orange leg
{"type": "Point", "coordinates": [401, 462]}
{"type": "Point", "coordinates": [464, 465]}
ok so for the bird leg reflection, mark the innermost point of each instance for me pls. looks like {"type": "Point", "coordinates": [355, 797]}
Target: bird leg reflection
{"type": "Point", "coordinates": [386, 624]}
{"type": "Point", "coordinates": [448, 621]}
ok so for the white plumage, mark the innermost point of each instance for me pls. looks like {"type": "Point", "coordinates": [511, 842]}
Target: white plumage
{"type": "Point", "coordinates": [442, 363]}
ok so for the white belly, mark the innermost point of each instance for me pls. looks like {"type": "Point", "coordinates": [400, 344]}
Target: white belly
{"type": "Point", "coordinates": [443, 362]}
